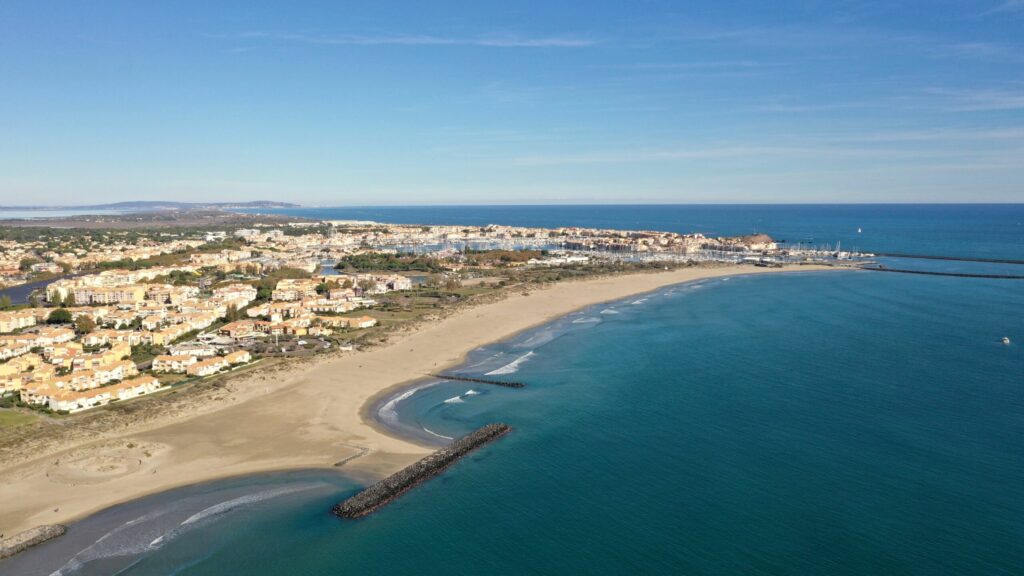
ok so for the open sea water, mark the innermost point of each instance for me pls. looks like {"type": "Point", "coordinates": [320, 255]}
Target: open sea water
{"type": "Point", "coordinates": [808, 423]}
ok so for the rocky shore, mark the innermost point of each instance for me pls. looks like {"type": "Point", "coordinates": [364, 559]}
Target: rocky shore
{"type": "Point", "coordinates": [407, 478]}
{"type": "Point", "coordinates": [24, 540]}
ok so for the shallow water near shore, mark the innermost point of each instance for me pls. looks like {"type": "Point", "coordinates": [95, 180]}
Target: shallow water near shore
{"type": "Point", "coordinates": [822, 423]}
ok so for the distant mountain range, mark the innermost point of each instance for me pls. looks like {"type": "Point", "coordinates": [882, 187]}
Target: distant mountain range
{"type": "Point", "coordinates": [139, 206]}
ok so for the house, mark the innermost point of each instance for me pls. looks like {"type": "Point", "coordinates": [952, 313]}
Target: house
{"type": "Point", "coordinates": [72, 401]}
{"type": "Point", "coordinates": [244, 329]}
{"type": "Point", "coordinates": [207, 367]}
{"type": "Point", "coordinates": [16, 320]}
{"type": "Point", "coordinates": [238, 357]}
{"type": "Point", "coordinates": [178, 364]}
{"type": "Point", "coordinates": [289, 289]}
{"type": "Point", "coordinates": [362, 322]}
{"type": "Point", "coordinates": [118, 351]}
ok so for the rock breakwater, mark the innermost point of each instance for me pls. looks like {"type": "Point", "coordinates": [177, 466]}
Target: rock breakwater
{"type": "Point", "coordinates": [409, 477]}
{"type": "Point", "coordinates": [24, 540]}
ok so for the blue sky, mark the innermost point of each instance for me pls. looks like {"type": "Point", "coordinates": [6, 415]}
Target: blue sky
{"type": "Point", "coordinates": [335, 103]}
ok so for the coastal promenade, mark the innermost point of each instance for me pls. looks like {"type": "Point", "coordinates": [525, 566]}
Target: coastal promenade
{"type": "Point", "coordinates": [312, 416]}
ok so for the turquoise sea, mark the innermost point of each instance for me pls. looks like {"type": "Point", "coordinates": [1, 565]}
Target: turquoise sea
{"type": "Point", "coordinates": [810, 423]}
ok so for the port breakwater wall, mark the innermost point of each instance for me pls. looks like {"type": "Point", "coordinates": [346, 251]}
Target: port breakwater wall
{"type": "Point", "coordinates": [953, 274]}
{"type": "Point", "coordinates": [390, 488]}
{"type": "Point", "coordinates": [33, 536]}
{"type": "Point", "coordinates": [953, 258]}
{"type": "Point", "coordinates": [458, 378]}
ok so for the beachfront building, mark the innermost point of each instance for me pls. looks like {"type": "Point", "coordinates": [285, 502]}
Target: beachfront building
{"type": "Point", "coordinates": [238, 357]}
{"type": "Point", "coordinates": [75, 401]}
{"type": "Point", "coordinates": [207, 367]}
{"type": "Point", "coordinates": [173, 364]}
{"type": "Point", "coordinates": [362, 322]}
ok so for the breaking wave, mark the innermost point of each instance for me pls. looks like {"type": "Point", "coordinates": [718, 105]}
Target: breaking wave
{"type": "Point", "coordinates": [143, 535]}
{"type": "Point", "coordinates": [512, 367]}
{"type": "Point", "coordinates": [428, 431]}
{"type": "Point", "coordinates": [388, 413]}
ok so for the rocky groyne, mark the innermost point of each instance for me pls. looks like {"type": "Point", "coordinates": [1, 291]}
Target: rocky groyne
{"type": "Point", "coordinates": [409, 477]}
{"type": "Point", "coordinates": [33, 536]}
{"type": "Point", "coordinates": [457, 378]}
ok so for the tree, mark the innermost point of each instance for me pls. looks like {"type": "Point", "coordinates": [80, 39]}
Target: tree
{"type": "Point", "coordinates": [84, 324]}
{"type": "Point", "coordinates": [367, 285]}
{"type": "Point", "coordinates": [452, 284]}
{"type": "Point", "coordinates": [232, 313]}
{"type": "Point", "coordinates": [33, 301]}
{"type": "Point", "coordinates": [70, 300]}
{"type": "Point", "coordinates": [322, 288]}
{"type": "Point", "coordinates": [5, 302]}
{"type": "Point", "coordinates": [26, 263]}
{"type": "Point", "coordinates": [347, 283]}
{"type": "Point", "coordinates": [56, 300]}
{"type": "Point", "coordinates": [59, 316]}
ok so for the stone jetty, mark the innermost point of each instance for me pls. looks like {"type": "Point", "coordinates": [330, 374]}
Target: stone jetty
{"type": "Point", "coordinates": [24, 540]}
{"type": "Point", "coordinates": [400, 482]}
{"type": "Point", "coordinates": [458, 378]}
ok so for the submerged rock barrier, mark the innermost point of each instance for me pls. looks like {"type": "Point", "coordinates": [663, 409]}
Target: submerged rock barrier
{"type": "Point", "coordinates": [458, 378]}
{"type": "Point", "coordinates": [400, 482]}
{"type": "Point", "coordinates": [24, 540]}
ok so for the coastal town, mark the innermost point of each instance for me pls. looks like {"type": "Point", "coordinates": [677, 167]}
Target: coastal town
{"type": "Point", "coordinates": [119, 314]}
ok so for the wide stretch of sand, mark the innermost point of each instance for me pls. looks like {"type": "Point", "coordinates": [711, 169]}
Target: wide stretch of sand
{"type": "Point", "coordinates": [309, 417]}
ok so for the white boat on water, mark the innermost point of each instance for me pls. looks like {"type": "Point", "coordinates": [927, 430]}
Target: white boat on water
{"type": "Point", "coordinates": [1006, 339]}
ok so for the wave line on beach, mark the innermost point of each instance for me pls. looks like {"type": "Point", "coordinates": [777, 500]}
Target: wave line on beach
{"type": "Point", "coordinates": [388, 413]}
{"type": "Point", "coordinates": [512, 367]}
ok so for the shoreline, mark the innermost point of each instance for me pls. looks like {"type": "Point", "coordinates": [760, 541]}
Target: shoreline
{"type": "Point", "coordinates": [313, 418]}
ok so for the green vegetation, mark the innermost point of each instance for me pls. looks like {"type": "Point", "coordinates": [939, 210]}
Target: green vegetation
{"type": "Point", "coordinates": [372, 262]}
{"type": "Point", "coordinates": [145, 352]}
{"type": "Point", "coordinates": [500, 257]}
{"type": "Point", "coordinates": [84, 324]}
{"type": "Point", "coordinates": [12, 418]}
{"type": "Point", "coordinates": [59, 316]}
{"type": "Point", "coordinates": [265, 286]}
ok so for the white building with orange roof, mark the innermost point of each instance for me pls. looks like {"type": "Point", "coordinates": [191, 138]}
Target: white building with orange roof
{"type": "Point", "coordinates": [72, 401]}
{"type": "Point", "coordinates": [175, 364]}
{"type": "Point", "coordinates": [207, 367]}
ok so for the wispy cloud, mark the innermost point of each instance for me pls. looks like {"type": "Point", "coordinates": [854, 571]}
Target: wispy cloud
{"type": "Point", "coordinates": [488, 40]}
{"type": "Point", "coordinates": [1007, 7]}
{"type": "Point", "coordinates": [978, 50]}
{"type": "Point", "coordinates": [979, 100]}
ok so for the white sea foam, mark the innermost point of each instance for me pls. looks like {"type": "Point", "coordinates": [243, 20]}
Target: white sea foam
{"type": "Point", "coordinates": [586, 320]}
{"type": "Point", "coordinates": [610, 311]}
{"type": "Point", "coordinates": [470, 392]}
{"type": "Point", "coordinates": [229, 505]}
{"type": "Point", "coordinates": [454, 400]}
{"type": "Point", "coordinates": [388, 412]}
{"type": "Point", "coordinates": [512, 367]}
{"type": "Point", "coordinates": [640, 301]}
{"type": "Point", "coordinates": [141, 535]}
{"type": "Point", "coordinates": [428, 431]}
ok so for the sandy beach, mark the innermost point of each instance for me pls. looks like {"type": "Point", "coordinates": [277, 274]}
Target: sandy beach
{"type": "Point", "coordinates": [312, 416]}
